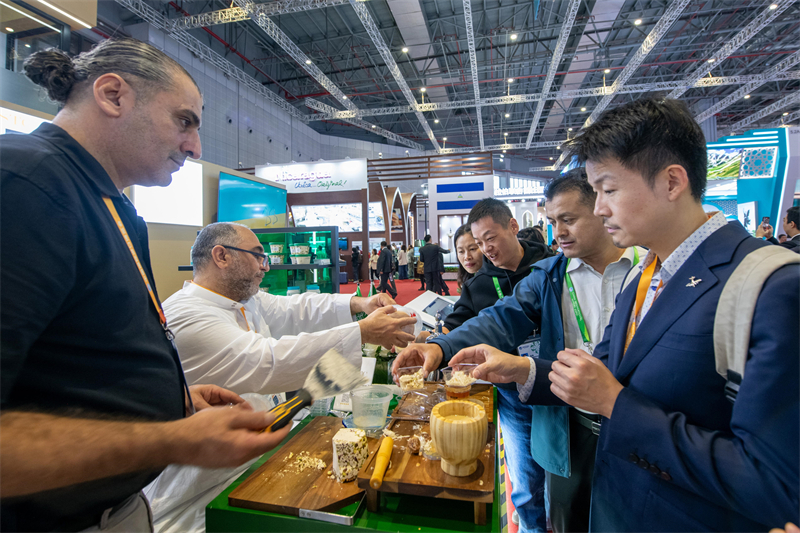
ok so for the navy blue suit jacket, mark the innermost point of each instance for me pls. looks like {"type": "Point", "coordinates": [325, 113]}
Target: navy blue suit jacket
{"type": "Point", "coordinates": [675, 454]}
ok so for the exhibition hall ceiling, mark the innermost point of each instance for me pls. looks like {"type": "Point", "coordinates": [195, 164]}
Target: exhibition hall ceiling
{"type": "Point", "coordinates": [474, 71]}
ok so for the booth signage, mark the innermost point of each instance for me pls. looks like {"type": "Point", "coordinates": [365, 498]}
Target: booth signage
{"type": "Point", "coordinates": [534, 187]}
{"type": "Point", "coordinates": [322, 176]}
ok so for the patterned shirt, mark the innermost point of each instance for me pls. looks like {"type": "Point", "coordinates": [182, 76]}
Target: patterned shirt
{"type": "Point", "coordinates": [676, 259]}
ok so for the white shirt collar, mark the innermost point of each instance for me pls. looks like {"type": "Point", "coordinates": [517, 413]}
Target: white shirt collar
{"type": "Point", "coordinates": [574, 264]}
{"type": "Point", "coordinates": [193, 289]}
{"type": "Point", "coordinates": [676, 259]}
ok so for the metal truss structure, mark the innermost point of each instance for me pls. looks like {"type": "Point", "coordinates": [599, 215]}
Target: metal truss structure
{"type": "Point", "coordinates": [473, 65]}
{"type": "Point", "coordinates": [759, 23]}
{"type": "Point", "coordinates": [268, 9]}
{"type": "Point", "coordinates": [375, 34]}
{"type": "Point", "coordinates": [749, 87]}
{"type": "Point", "coordinates": [498, 147]}
{"type": "Point", "coordinates": [781, 104]}
{"type": "Point", "coordinates": [792, 117]}
{"type": "Point", "coordinates": [324, 108]}
{"type": "Point", "coordinates": [205, 53]}
{"type": "Point", "coordinates": [597, 91]}
{"type": "Point", "coordinates": [660, 30]}
{"type": "Point", "coordinates": [555, 61]}
{"type": "Point", "coordinates": [277, 35]}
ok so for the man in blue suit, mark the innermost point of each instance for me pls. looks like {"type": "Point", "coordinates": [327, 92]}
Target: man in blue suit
{"type": "Point", "coordinates": [673, 453]}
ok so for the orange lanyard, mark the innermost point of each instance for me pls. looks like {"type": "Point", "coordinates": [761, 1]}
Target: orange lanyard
{"type": "Point", "coordinates": [641, 294]}
{"type": "Point", "coordinates": [161, 317]}
{"type": "Point", "coordinates": [124, 232]}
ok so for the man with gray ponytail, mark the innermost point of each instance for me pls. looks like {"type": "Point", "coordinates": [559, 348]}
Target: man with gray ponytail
{"type": "Point", "coordinates": [94, 403]}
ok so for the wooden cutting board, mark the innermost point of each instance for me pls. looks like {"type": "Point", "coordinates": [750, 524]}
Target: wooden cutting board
{"type": "Point", "coordinates": [413, 474]}
{"type": "Point", "coordinates": [279, 487]}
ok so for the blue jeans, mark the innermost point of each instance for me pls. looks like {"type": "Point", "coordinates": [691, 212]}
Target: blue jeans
{"type": "Point", "coordinates": [527, 477]}
{"type": "Point", "coordinates": [403, 271]}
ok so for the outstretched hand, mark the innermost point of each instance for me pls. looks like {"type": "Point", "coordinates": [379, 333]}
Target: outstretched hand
{"type": "Point", "coordinates": [494, 365]}
{"type": "Point", "coordinates": [584, 382]}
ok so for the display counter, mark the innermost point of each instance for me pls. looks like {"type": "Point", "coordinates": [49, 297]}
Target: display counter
{"type": "Point", "coordinates": [397, 512]}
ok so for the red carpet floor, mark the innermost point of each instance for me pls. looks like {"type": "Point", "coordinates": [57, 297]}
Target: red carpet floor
{"type": "Point", "coordinates": [407, 289]}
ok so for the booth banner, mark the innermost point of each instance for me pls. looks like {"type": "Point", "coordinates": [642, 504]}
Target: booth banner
{"type": "Point", "coordinates": [319, 176]}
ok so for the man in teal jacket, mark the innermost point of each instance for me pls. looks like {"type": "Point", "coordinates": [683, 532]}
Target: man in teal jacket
{"type": "Point", "coordinates": [561, 438]}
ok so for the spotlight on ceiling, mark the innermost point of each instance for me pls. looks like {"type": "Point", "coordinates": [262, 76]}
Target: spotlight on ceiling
{"type": "Point", "coordinates": [711, 60]}
{"type": "Point", "coordinates": [345, 97]}
{"type": "Point", "coordinates": [373, 126]}
{"type": "Point", "coordinates": [773, 6]}
{"type": "Point", "coordinates": [637, 22]}
{"type": "Point", "coordinates": [514, 36]}
{"type": "Point", "coordinates": [569, 129]}
{"type": "Point", "coordinates": [10, 30]}
{"type": "Point", "coordinates": [405, 49]}
{"type": "Point", "coordinates": [505, 134]}
{"type": "Point", "coordinates": [583, 109]}
{"type": "Point", "coordinates": [786, 114]}
{"type": "Point", "coordinates": [308, 61]}
{"type": "Point", "coordinates": [422, 89]}
{"type": "Point", "coordinates": [436, 121]}
{"type": "Point", "coordinates": [607, 71]}
{"type": "Point", "coordinates": [746, 96]}
{"type": "Point", "coordinates": [503, 152]}
{"type": "Point", "coordinates": [444, 138]}
{"type": "Point", "coordinates": [507, 115]}
{"type": "Point", "coordinates": [551, 159]}
{"type": "Point", "coordinates": [510, 80]}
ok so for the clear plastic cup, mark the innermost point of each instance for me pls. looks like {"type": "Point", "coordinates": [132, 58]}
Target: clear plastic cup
{"type": "Point", "coordinates": [410, 378]}
{"type": "Point", "coordinates": [458, 381]}
{"type": "Point", "coordinates": [370, 406]}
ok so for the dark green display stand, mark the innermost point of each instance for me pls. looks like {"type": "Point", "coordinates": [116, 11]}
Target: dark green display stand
{"type": "Point", "coordinates": [323, 242]}
{"type": "Point", "coordinates": [398, 512]}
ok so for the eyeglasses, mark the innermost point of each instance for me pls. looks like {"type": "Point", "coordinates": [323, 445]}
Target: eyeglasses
{"type": "Point", "coordinates": [261, 257]}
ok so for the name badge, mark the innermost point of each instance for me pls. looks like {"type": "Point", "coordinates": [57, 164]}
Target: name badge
{"type": "Point", "coordinates": [530, 348]}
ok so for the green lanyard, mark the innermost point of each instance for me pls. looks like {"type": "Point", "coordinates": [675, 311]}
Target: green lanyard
{"type": "Point", "coordinates": [497, 286]}
{"type": "Point", "coordinates": [587, 341]}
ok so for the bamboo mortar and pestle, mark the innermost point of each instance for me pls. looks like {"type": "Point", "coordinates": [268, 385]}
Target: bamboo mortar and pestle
{"type": "Point", "coordinates": [459, 430]}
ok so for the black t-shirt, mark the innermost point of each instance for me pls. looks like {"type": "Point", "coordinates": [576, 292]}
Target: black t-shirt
{"type": "Point", "coordinates": [78, 331]}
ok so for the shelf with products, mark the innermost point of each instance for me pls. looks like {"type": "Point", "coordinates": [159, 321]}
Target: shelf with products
{"type": "Point", "coordinates": [312, 244]}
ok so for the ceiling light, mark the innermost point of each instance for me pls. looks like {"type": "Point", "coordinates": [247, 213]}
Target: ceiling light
{"type": "Point", "coordinates": [507, 115]}
{"type": "Point", "coordinates": [711, 60]}
{"type": "Point", "coordinates": [746, 96]}
{"type": "Point", "coordinates": [79, 21]}
{"type": "Point", "coordinates": [444, 138]}
{"type": "Point", "coordinates": [607, 71]}
{"type": "Point", "coordinates": [423, 89]}
{"type": "Point", "coordinates": [773, 6]}
{"type": "Point", "coordinates": [503, 152]}
{"type": "Point", "coordinates": [27, 46]}
{"type": "Point", "coordinates": [24, 14]}
{"type": "Point", "coordinates": [637, 22]}
{"type": "Point", "coordinates": [10, 30]}
{"type": "Point", "coordinates": [558, 148]}
{"type": "Point", "coordinates": [436, 121]}
{"type": "Point", "coordinates": [308, 61]}
{"type": "Point", "coordinates": [344, 97]}
{"type": "Point", "coordinates": [569, 129]}
{"type": "Point", "coordinates": [510, 80]}
{"type": "Point", "coordinates": [373, 126]}
{"type": "Point", "coordinates": [551, 159]}
{"type": "Point", "coordinates": [506, 134]}
{"type": "Point", "coordinates": [405, 49]}
{"type": "Point", "coordinates": [514, 36]}
{"type": "Point", "coordinates": [583, 109]}
{"type": "Point", "coordinates": [785, 114]}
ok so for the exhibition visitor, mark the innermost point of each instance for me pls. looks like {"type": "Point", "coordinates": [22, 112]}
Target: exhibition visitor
{"type": "Point", "coordinates": [94, 401]}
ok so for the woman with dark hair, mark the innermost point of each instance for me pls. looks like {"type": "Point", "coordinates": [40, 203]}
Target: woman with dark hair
{"type": "Point", "coordinates": [373, 265]}
{"type": "Point", "coordinates": [470, 258]}
{"type": "Point", "coordinates": [402, 262]}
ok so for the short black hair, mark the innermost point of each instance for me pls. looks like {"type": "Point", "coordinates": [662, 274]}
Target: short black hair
{"type": "Point", "coordinates": [490, 207]}
{"type": "Point", "coordinates": [573, 180]}
{"type": "Point", "coordinates": [793, 215]}
{"type": "Point", "coordinates": [531, 234]}
{"type": "Point", "coordinates": [427, 238]}
{"type": "Point", "coordinates": [646, 136]}
{"type": "Point", "coordinates": [383, 244]}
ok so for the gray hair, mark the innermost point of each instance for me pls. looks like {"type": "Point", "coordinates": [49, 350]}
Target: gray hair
{"type": "Point", "coordinates": [149, 69]}
{"type": "Point", "coordinates": [217, 233]}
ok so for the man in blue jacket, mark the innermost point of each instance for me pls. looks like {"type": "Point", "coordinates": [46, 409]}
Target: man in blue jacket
{"type": "Point", "coordinates": [674, 454]}
{"type": "Point", "coordinates": [560, 439]}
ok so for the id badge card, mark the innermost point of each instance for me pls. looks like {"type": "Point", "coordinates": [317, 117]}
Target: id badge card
{"type": "Point", "coordinates": [530, 348]}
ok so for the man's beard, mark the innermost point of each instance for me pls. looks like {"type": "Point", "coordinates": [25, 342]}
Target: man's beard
{"type": "Point", "coordinates": [239, 285]}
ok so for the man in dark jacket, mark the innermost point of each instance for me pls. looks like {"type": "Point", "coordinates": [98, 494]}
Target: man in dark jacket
{"type": "Point", "coordinates": [385, 270]}
{"type": "Point", "coordinates": [440, 273]}
{"type": "Point", "coordinates": [429, 255]}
